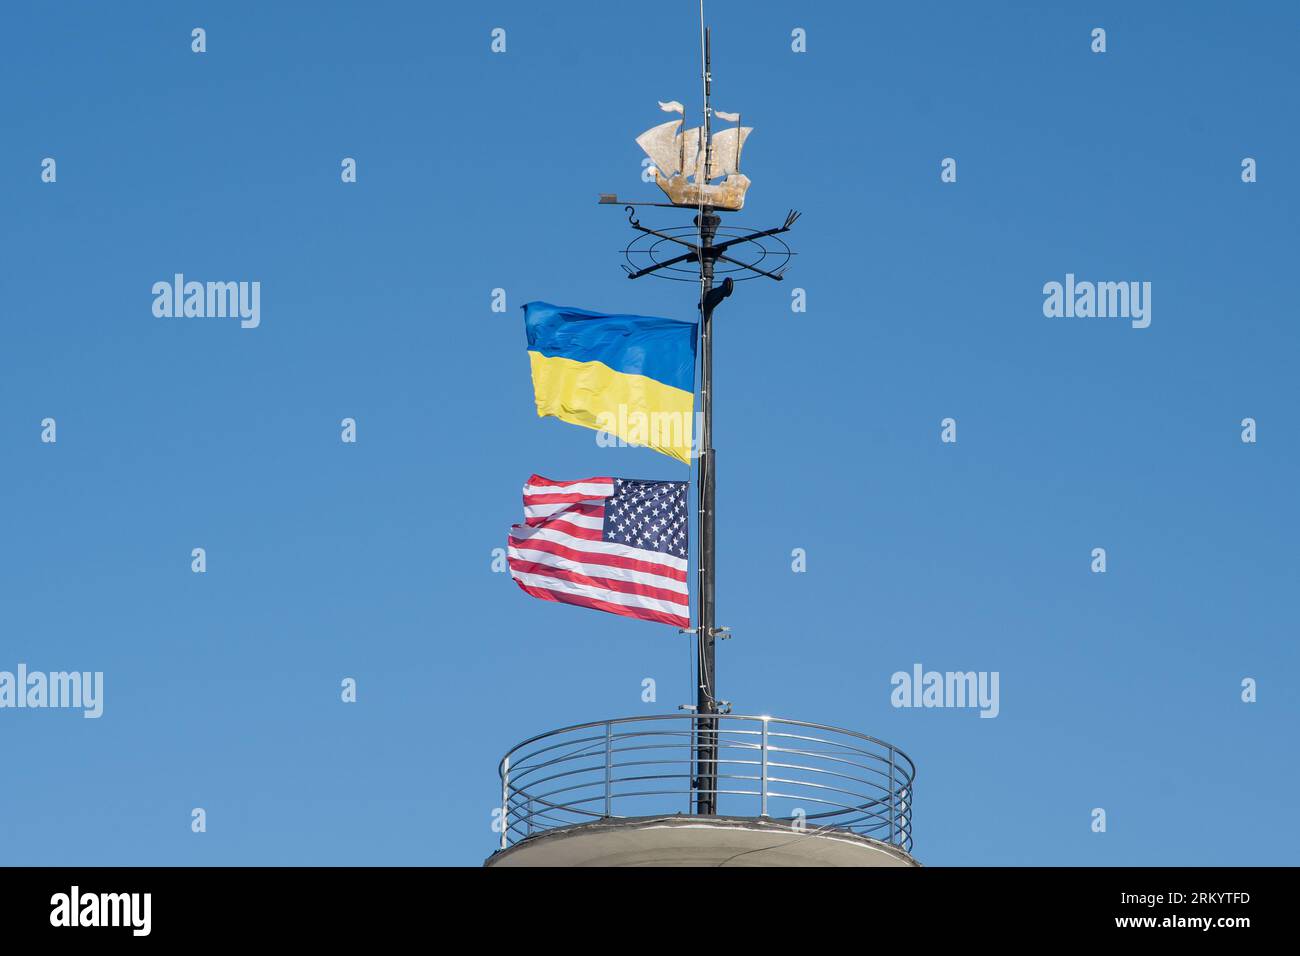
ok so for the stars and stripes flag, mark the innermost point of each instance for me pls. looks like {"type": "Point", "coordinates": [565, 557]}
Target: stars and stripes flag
{"type": "Point", "coordinates": [613, 544]}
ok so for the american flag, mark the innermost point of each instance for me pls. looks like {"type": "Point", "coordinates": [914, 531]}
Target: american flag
{"type": "Point", "coordinates": [613, 544]}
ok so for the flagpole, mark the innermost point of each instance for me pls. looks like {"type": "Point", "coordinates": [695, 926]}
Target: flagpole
{"type": "Point", "coordinates": [706, 740]}
{"type": "Point", "coordinates": [706, 699]}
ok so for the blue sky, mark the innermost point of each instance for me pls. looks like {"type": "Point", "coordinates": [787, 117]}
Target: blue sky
{"type": "Point", "coordinates": [478, 171]}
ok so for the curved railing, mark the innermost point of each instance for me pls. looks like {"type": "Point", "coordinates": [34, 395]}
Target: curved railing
{"type": "Point", "coordinates": [809, 775]}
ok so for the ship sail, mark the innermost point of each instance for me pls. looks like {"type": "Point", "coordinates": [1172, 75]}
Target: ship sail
{"type": "Point", "coordinates": [688, 145]}
{"type": "Point", "coordinates": [726, 150]}
{"type": "Point", "coordinates": [660, 144]}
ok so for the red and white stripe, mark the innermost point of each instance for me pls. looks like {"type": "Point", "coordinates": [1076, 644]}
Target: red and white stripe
{"type": "Point", "coordinates": [543, 497]}
{"type": "Point", "coordinates": [559, 555]}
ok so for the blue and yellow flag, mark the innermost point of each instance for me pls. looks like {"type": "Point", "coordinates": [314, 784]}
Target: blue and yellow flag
{"type": "Point", "coordinates": [632, 376]}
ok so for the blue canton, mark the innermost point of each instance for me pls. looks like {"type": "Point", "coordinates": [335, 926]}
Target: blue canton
{"type": "Point", "coordinates": [647, 514]}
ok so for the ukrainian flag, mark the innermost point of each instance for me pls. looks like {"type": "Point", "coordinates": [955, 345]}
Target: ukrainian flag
{"type": "Point", "coordinates": [632, 376]}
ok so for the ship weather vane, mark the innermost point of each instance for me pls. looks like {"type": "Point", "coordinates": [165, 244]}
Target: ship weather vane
{"type": "Point", "coordinates": [686, 163]}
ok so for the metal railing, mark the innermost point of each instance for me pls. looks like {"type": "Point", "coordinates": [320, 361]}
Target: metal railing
{"type": "Point", "coordinates": [810, 775]}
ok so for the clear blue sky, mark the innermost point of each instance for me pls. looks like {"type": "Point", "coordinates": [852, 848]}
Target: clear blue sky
{"type": "Point", "coordinates": [478, 171]}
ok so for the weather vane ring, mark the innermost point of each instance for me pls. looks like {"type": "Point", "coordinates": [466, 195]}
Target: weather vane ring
{"type": "Point", "coordinates": [662, 251]}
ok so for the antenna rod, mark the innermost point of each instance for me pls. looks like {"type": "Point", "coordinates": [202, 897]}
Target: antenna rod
{"type": "Point", "coordinates": [708, 91]}
{"type": "Point", "coordinates": [706, 750]}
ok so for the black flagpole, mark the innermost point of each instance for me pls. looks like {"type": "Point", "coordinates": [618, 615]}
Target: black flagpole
{"type": "Point", "coordinates": [706, 700]}
{"type": "Point", "coordinates": [706, 741]}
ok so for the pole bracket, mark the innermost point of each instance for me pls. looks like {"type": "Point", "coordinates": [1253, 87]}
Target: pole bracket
{"type": "Point", "coordinates": [716, 295]}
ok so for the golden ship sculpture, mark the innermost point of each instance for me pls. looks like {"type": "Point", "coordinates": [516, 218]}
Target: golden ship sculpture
{"type": "Point", "coordinates": [685, 161]}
